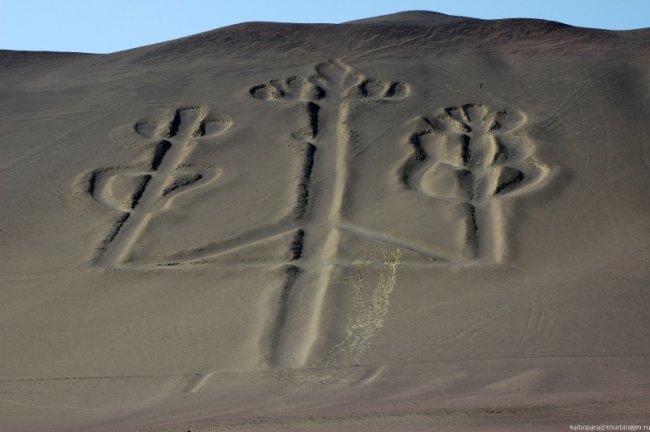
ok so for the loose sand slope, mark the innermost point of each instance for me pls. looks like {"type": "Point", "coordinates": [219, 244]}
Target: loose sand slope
{"type": "Point", "coordinates": [400, 223]}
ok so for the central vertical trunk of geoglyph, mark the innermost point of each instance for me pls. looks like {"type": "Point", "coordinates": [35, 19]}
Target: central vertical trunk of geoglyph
{"type": "Point", "coordinates": [327, 96]}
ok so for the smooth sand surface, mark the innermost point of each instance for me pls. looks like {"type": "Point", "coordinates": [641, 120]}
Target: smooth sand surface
{"type": "Point", "coordinates": [413, 222]}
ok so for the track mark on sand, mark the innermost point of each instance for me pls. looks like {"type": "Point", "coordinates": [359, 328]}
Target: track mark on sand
{"type": "Point", "coordinates": [195, 382]}
{"type": "Point", "coordinates": [31, 155]}
{"type": "Point", "coordinates": [369, 310]}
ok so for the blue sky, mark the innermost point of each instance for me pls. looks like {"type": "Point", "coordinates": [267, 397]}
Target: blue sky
{"type": "Point", "coordinates": [103, 26]}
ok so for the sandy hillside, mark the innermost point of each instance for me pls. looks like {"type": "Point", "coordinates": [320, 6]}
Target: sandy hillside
{"type": "Point", "coordinates": [412, 222]}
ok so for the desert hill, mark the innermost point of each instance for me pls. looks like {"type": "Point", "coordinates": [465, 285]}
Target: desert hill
{"type": "Point", "coordinates": [408, 222]}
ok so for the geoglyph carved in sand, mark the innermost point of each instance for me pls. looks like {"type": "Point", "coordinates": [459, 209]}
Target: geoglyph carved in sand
{"type": "Point", "coordinates": [139, 191]}
{"type": "Point", "coordinates": [468, 155]}
{"type": "Point", "coordinates": [328, 96]}
{"type": "Point", "coordinates": [476, 156]}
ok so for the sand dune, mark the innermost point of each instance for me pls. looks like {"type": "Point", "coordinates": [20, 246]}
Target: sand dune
{"type": "Point", "coordinates": [408, 222]}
